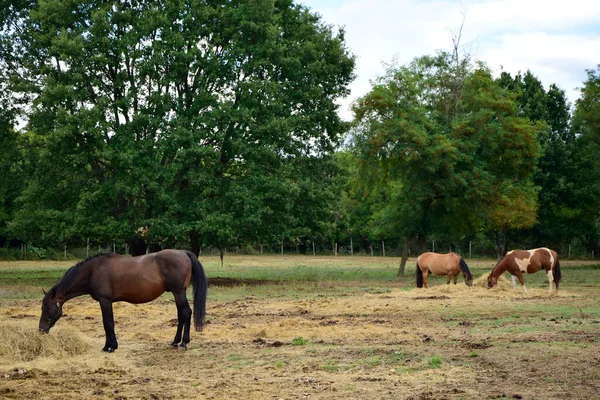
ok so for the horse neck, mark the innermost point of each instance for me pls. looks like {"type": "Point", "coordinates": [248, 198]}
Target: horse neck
{"type": "Point", "coordinates": [499, 268]}
{"type": "Point", "coordinates": [77, 287]}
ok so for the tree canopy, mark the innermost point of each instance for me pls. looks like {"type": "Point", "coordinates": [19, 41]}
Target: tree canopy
{"type": "Point", "coordinates": [439, 133]}
{"type": "Point", "coordinates": [189, 123]}
{"type": "Point", "coordinates": [192, 119]}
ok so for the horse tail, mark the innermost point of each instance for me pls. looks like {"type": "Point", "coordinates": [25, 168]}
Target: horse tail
{"type": "Point", "coordinates": [200, 284]}
{"type": "Point", "coordinates": [557, 274]}
{"type": "Point", "coordinates": [465, 268]}
{"type": "Point", "coordinates": [419, 276]}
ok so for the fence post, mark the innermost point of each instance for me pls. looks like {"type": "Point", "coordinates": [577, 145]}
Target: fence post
{"type": "Point", "coordinates": [65, 251]}
{"type": "Point", "coordinates": [351, 247]}
{"type": "Point", "coordinates": [469, 249]}
{"type": "Point", "coordinates": [433, 241]}
{"type": "Point", "coordinates": [313, 243]}
{"type": "Point", "coordinates": [87, 248]}
{"type": "Point", "coordinates": [383, 247]}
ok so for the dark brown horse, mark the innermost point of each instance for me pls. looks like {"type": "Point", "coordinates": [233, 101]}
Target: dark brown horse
{"type": "Point", "coordinates": [110, 277]}
{"type": "Point", "coordinates": [448, 265]}
{"type": "Point", "coordinates": [531, 261]}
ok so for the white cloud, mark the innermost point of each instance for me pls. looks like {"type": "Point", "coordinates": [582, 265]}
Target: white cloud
{"type": "Point", "coordinates": [557, 41]}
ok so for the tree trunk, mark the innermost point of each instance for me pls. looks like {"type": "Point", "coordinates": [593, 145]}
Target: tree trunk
{"type": "Point", "coordinates": [500, 243]}
{"type": "Point", "coordinates": [422, 244]}
{"type": "Point", "coordinates": [195, 242]}
{"type": "Point", "coordinates": [404, 259]}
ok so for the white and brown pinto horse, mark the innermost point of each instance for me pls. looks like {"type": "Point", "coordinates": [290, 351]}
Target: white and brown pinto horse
{"type": "Point", "coordinates": [516, 262]}
{"type": "Point", "coordinates": [449, 265]}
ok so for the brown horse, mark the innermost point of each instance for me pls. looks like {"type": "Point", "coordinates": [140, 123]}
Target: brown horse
{"type": "Point", "coordinates": [531, 261]}
{"type": "Point", "coordinates": [448, 265]}
{"type": "Point", "coordinates": [110, 277]}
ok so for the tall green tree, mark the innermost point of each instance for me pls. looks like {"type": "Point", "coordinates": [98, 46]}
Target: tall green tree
{"type": "Point", "coordinates": [561, 174]}
{"type": "Point", "coordinates": [448, 144]}
{"type": "Point", "coordinates": [191, 119]}
{"type": "Point", "coordinates": [586, 128]}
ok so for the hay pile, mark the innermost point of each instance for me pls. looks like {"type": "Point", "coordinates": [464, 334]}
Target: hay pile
{"type": "Point", "coordinates": [24, 342]}
{"type": "Point", "coordinates": [503, 283]}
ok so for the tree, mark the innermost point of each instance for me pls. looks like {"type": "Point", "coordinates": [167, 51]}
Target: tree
{"type": "Point", "coordinates": [586, 128]}
{"type": "Point", "coordinates": [191, 119]}
{"type": "Point", "coordinates": [447, 143]}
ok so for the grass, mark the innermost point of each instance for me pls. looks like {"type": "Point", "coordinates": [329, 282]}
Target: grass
{"type": "Point", "coordinates": [345, 324]}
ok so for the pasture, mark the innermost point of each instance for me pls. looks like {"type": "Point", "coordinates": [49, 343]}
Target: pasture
{"type": "Point", "coordinates": [312, 328]}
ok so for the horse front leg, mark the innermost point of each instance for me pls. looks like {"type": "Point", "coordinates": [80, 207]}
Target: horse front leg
{"type": "Point", "coordinates": [108, 320]}
{"type": "Point", "coordinates": [184, 320]}
{"type": "Point", "coordinates": [520, 276]}
{"type": "Point", "coordinates": [449, 278]}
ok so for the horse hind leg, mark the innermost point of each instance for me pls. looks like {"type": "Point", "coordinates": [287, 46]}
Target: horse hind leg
{"type": "Point", "coordinates": [184, 319]}
{"type": "Point", "coordinates": [550, 280]}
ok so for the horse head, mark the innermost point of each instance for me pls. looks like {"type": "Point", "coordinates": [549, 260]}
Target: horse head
{"type": "Point", "coordinates": [491, 281]}
{"type": "Point", "coordinates": [51, 311]}
{"type": "Point", "coordinates": [468, 281]}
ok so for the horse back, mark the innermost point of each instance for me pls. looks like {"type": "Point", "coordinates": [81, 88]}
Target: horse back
{"type": "Point", "coordinates": [439, 264]}
{"type": "Point", "coordinates": [144, 278]}
{"type": "Point", "coordinates": [532, 261]}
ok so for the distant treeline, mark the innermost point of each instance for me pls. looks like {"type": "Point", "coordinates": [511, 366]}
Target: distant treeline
{"type": "Point", "coordinates": [160, 124]}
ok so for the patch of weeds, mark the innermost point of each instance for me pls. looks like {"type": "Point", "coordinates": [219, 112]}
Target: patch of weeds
{"type": "Point", "coordinates": [474, 354]}
{"type": "Point", "coordinates": [279, 364]}
{"type": "Point", "coordinates": [396, 357]}
{"type": "Point", "coordinates": [373, 362]}
{"type": "Point", "coordinates": [435, 362]}
{"type": "Point", "coordinates": [330, 366]}
{"type": "Point", "coordinates": [299, 341]}
{"type": "Point", "coordinates": [235, 357]}
{"type": "Point", "coordinates": [350, 388]}
{"type": "Point", "coordinates": [237, 361]}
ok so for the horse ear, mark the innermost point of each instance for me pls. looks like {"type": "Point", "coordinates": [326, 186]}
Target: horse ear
{"type": "Point", "coordinates": [43, 291]}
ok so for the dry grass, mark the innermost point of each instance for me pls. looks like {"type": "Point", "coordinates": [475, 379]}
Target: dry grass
{"type": "Point", "coordinates": [448, 341]}
{"type": "Point", "coordinates": [22, 341]}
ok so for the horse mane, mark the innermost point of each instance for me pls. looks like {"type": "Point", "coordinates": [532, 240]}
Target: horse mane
{"type": "Point", "coordinates": [465, 268]}
{"type": "Point", "coordinates": [72, 273]}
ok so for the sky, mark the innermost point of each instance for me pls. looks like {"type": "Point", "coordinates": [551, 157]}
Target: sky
{"type": "Point", "coordinates": [556, 40]}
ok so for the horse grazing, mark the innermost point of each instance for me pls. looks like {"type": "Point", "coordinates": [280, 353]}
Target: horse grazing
{"type": "Point", "coordinates": [110, 277]}
{"type": "Point", "coordinates": [531, 261]}
{"type": "Point", "coordinates": [449, 265]}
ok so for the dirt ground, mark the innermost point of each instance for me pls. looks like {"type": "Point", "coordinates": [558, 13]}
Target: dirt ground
{"type": "Point", "coordinates": [445, 342]}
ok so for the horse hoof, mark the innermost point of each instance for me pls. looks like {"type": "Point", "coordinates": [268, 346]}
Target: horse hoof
{"type": "Point", "coordinates": [108, 350]}
{"type": "Point", "coordinates": [175, 344]}
{"type": "Point", "coordinates": [183, 346]}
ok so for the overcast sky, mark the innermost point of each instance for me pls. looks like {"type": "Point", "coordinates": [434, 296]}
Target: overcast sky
{"type": "Point", "coordinates": [557, 40]}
